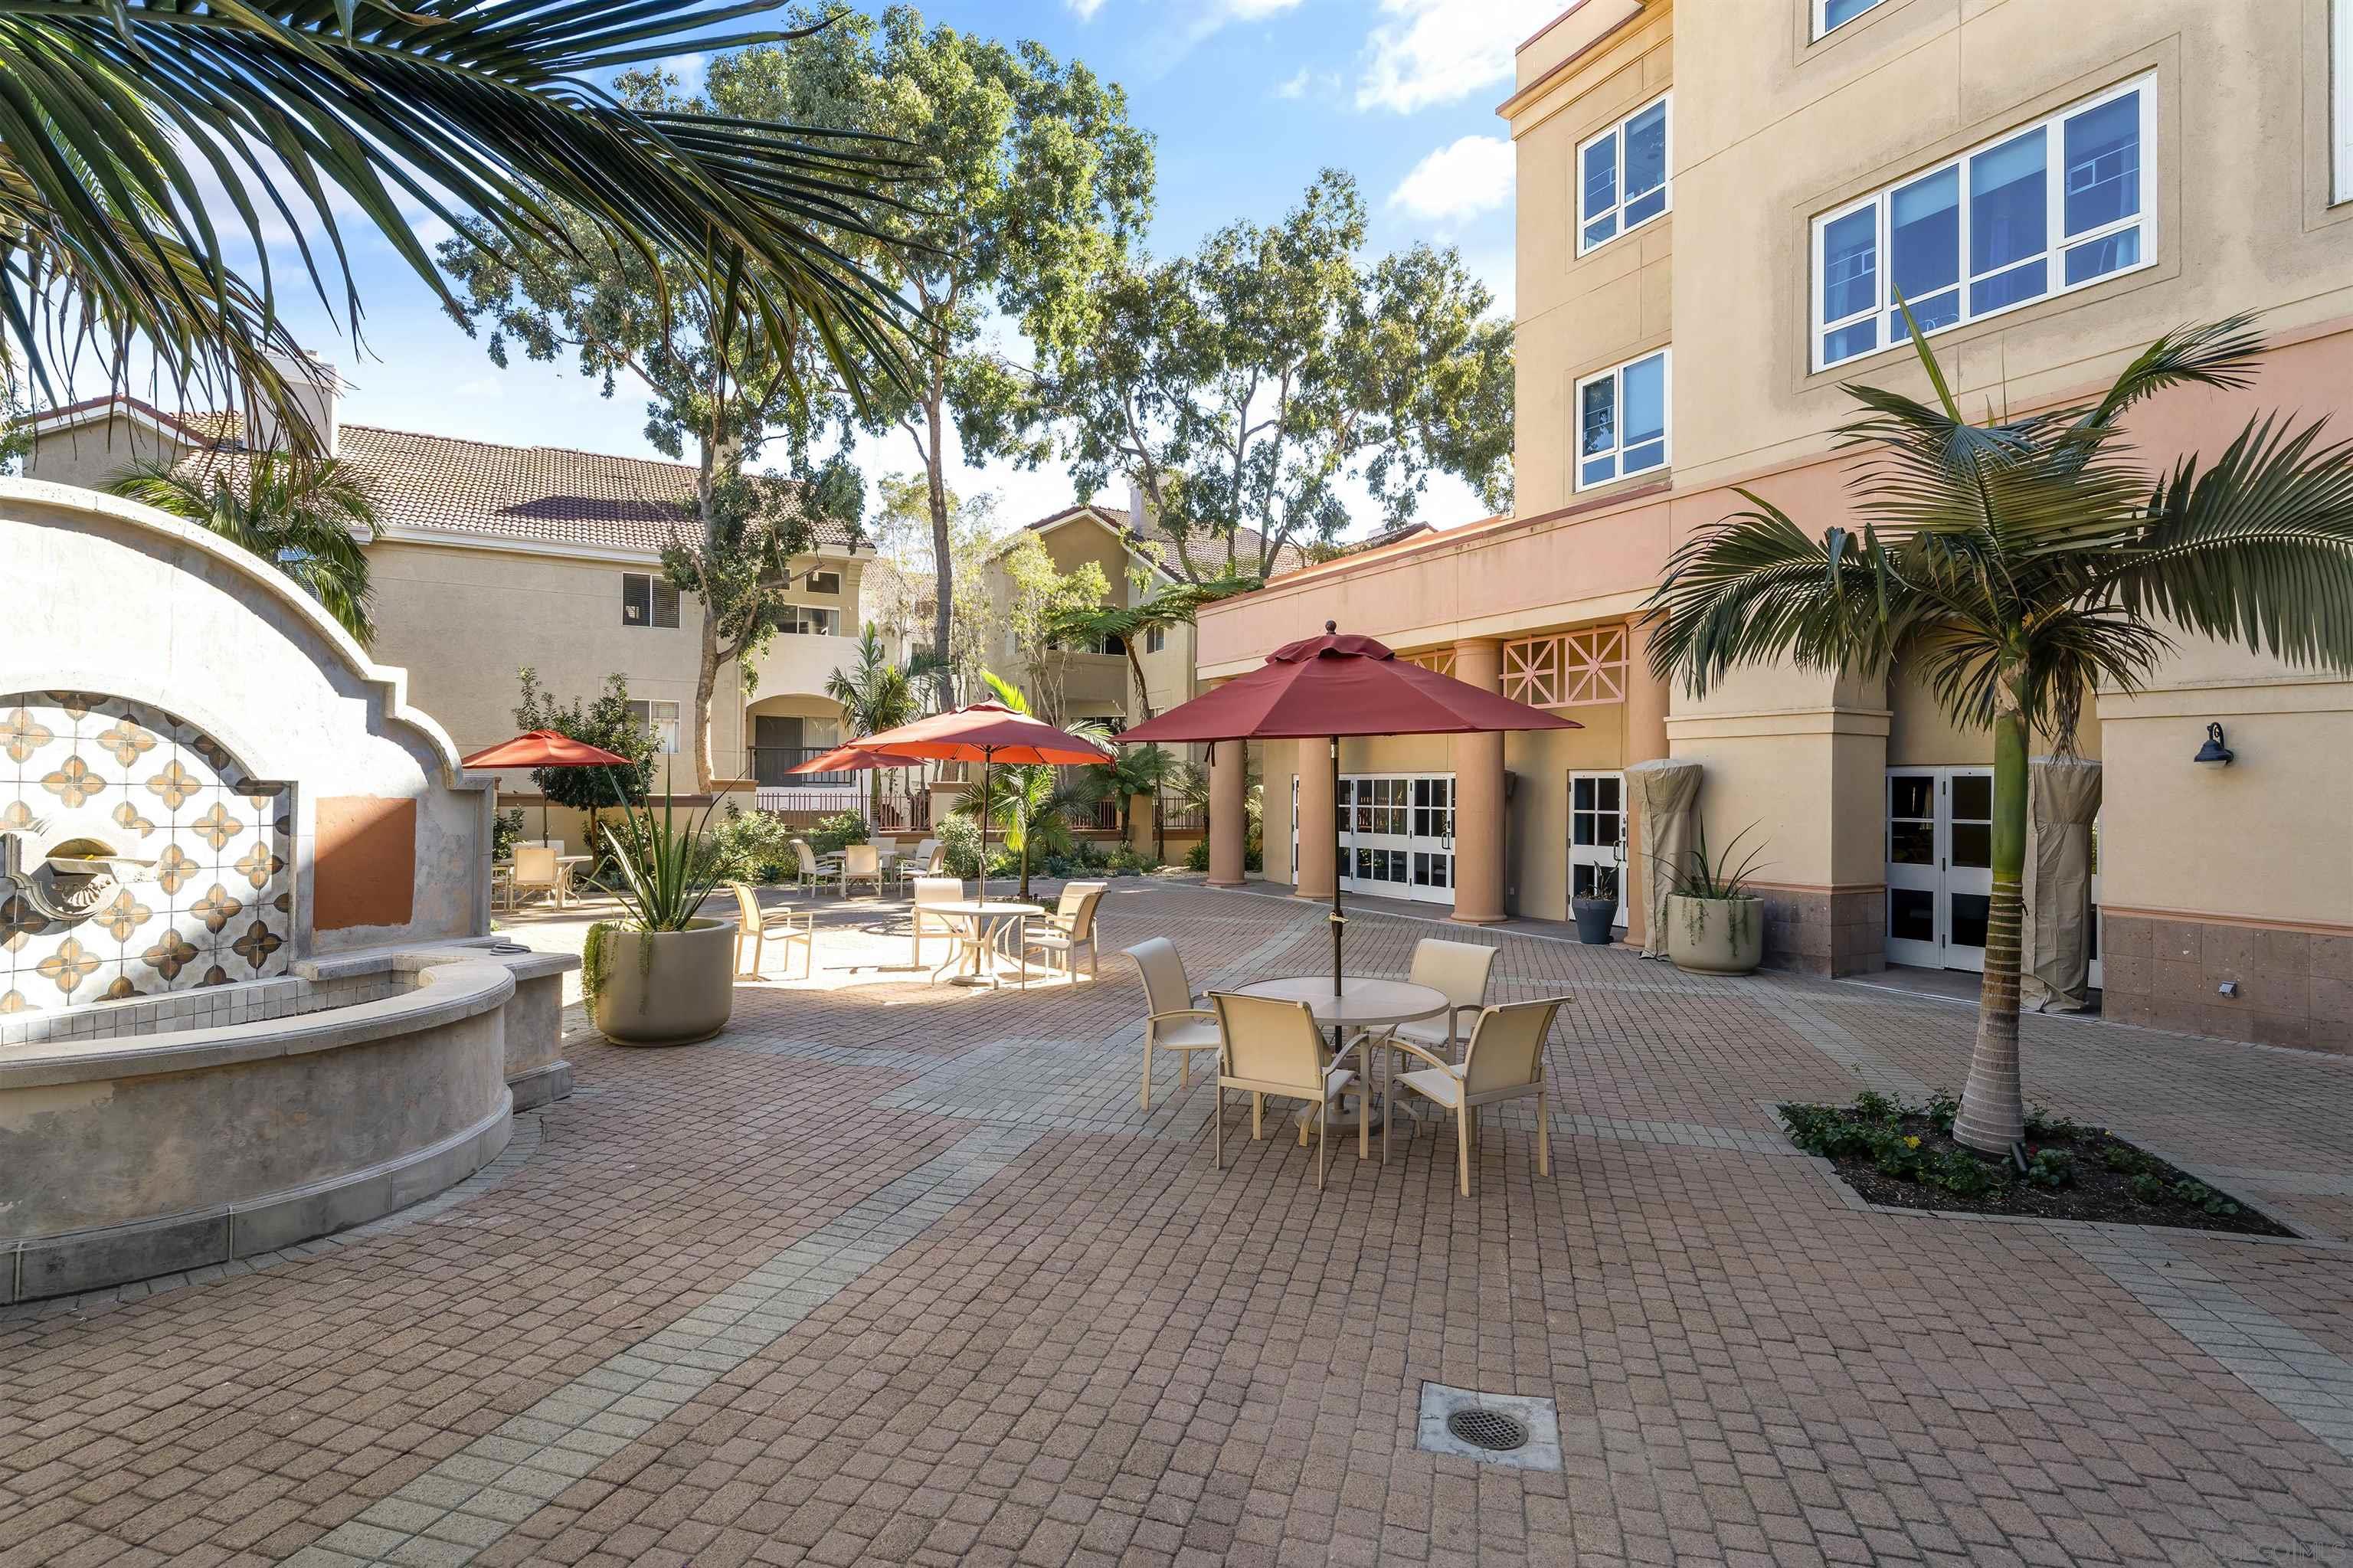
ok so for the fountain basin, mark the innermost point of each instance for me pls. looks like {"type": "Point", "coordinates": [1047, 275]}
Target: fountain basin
{"type": "Point", "coordinates": [123, 1156]}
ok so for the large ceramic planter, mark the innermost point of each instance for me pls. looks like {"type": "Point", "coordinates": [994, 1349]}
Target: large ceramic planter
{"type": "Point", "coordinates": [1716, 935]}
{"type": "Point", "coordinates": [680, 992]}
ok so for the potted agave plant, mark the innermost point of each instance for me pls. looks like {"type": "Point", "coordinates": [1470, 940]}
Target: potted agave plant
{"type": "Point", "coordinates": [1714, 924]}
{"type": "Point", "coordinates": [663, 974]}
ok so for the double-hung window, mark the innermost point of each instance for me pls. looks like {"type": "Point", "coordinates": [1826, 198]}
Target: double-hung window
{"type": "Point", "coordinates": [1155, 639]}
{"type": "Point", "coordinates": [660, 718]}
{"type": "Point", "coordinates": [1621, 421]}
{"type": "Point", "coordinates": [2054, 206]}
{"type": "Point", "coordinates": [809, 620]}
{"type": "Point", "coordinates": [648, 600]}
{"type": "Point", "coordinates": [1621, 177]}
{"type": "Point", "coordinates": [1830, 14]}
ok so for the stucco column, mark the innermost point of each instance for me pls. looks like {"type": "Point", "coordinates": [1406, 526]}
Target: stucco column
{"type": "Point", "coordinates": [1647, 699]}
{"type": "Point", "coordinates": [1316, 806]}
{"type": "Point", "coordinates": [1228, 772]}
{"type": "Point", "coordinates": [1479, 794]}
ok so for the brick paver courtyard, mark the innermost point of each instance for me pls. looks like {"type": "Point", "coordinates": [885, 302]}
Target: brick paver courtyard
{"type": "Point", "coordinates": [897, 1274]}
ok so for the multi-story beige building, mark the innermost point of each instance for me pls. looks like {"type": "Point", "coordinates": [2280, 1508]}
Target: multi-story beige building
{"type": "Point", "coordinates": [1717, 199]}
{"type": "Point", "coordinates": [494, 558]}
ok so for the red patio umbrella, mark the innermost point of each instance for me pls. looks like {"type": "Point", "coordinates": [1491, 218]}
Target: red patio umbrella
{"type": "Point", "coordinates": [1335, 685]}
{"type": "Point", "coordinates": [857, 753]}
{"type": "Point", "coordinates": [543, 748]}
{"type": "Point", "coordinates": [986, 733]}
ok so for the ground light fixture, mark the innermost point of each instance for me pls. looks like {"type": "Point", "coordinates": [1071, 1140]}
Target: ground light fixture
{"type": "Point", "coordinates": [2213, 753]}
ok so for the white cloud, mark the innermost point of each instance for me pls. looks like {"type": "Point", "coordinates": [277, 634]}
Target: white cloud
{"type": "Point", "coordinates": [1306, 81]}
{"type": "Point", "coordinates": [687, 68]}
{"type": "Point", "coordinates": [1459, 181]}
{"type": "Point", "coordinates": [1436, 51]}
{"type": "Point", "coordinates": [1084, 10]}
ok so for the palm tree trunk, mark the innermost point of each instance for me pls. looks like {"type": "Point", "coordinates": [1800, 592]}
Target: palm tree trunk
{"type": "Point", "coordinates": [1993, 1110]}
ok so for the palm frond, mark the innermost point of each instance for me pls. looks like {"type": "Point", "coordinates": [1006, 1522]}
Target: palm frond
{"type": "Point", "coordinates": [2219, 353]}
{"type": "Point", "coordinates": [111, 108]}
{"type": "Point", "coordinates": [2255, 547]}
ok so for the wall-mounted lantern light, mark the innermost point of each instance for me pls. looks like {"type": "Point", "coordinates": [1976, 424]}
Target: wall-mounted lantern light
{"type": "Point", "coordinates": [2214, 754]}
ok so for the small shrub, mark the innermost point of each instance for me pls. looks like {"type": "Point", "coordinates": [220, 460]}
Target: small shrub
{"type": "Point", "coordinates": [2053, 1168]}
{"type": "Point", "coordinates": [1964, 1175]}
{"type": "Point", "coordinates": [2150, 1188]}
{"type": "Point", "coordinates": [505, 828]}
{"type": "Point", "coordinates": [1197, 857]}
{"type": "Point", "coordinates": [832, 833]}
{"type": "Point", "coordinates": [752, 845]}
{"type": "Point", "coordinates": [2122, 1158]}
{"type": "Point", "coordinates": [960, 845]}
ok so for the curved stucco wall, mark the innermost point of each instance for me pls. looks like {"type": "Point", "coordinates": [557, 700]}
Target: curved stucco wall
{"type": "Point", "coordinates": [107, 597]}
{"type": "Point", "coordinates": [132, 1157]}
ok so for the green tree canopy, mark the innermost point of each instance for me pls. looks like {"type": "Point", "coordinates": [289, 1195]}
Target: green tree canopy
{"type": "Point", "coordinates": [1036, 183]}
{"type": "Point", "coordinates": [1241, 385]}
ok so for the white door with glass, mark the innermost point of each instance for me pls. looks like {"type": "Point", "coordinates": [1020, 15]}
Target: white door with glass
{"type": "Point", "coordinates": [1940, 865]}
{"type": "Point", "coordinates": [1397, 835]}
{"type": "Point", "coordinates": [1597, 837]}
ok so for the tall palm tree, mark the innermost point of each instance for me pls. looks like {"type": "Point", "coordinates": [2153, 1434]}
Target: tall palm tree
{"type": "Point", "coordinates": [2018, 562]}
{"type": "Point", "coordinates": [141, 142]}
{"type": "Point", "coordinates": [1172, 606]}
{"type": "Point", "coordinates": [310, 519]}
{"type": "Point", "coordinates": [876, 694]}
{"type": "Point", "coordinates": [1033, 802]}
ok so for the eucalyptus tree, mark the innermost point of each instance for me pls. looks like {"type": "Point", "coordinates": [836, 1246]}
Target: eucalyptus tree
{"type": "Point", "coordinates": [1036, 184]}
{"type": "Point", "coordinates": [2018, 564]}
{"type": "Point", "coordinates": [1243, 385]}
{"type": "Point", "coordinates": [144, 143]}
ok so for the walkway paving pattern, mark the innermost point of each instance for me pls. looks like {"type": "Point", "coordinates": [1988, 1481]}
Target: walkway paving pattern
{"type": "Point", "coordinates": [892, 1274]}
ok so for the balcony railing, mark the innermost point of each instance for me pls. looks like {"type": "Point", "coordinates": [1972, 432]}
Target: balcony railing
{"type": "Point", "coordinates": [772, 769]}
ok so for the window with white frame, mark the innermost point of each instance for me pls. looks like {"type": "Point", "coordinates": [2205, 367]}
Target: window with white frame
{"type": "Point", "coordinates": [1621, 421]}
{"type": "Point", "coordinates": [661, 719]}
{"type": "Point", "coordinates": [2055, 207]}
{"type": "Point", "coordinates": [2340, 76]}
{"type": "Point", "coordinates": [809, 620]}
{"type": "Point", "coordinates": [1830, 14]}
{"type": "Point", "coordinates": [1621, 177]}
{"type": "Point", "coordinates": [648, 600]}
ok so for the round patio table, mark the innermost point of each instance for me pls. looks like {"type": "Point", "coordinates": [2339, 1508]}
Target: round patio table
{"type": "Point", "coordinates": [986, 923]}
{"type": "Point", "coordinates": [1363, 1002]}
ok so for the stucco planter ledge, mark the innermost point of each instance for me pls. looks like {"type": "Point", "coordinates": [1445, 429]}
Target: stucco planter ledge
{"type": "Point", "coordinates": [126, 1157]}
{"type": "Point", "coordinates": [1716, 935]}
{"type": "Point", "coordinates": [664, 988]}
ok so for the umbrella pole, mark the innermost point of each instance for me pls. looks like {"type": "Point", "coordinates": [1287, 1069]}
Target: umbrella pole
{"type": "Point", "coordinates": [986, 753]}
{"type": "Point", "coordinates": [1338, 919]}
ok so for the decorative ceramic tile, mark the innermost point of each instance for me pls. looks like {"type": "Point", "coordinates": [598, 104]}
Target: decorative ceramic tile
{"type": "Point", "coordinates": [214, 905]}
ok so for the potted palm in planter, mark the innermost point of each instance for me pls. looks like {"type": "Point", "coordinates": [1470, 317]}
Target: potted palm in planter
{"type": "Point", "coordinates": [1596, 913]}
{"type": "Point", "coordinates": [662, 975]}
{"type": "Point", "coordinates": [1714, 924]}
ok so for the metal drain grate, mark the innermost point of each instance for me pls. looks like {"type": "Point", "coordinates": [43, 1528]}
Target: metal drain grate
{"type": "Point", "coordinates": [1489, 1429]}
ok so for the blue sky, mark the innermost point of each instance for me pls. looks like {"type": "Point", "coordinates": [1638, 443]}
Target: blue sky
{"type": "Point", "coordinates": [1247, 100]}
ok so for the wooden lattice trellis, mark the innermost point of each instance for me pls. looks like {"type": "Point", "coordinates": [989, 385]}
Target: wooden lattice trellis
{"type": "Point", "coordinates": [1566, 669]}
{"type": "Point", "coordinates": [1438, 660]}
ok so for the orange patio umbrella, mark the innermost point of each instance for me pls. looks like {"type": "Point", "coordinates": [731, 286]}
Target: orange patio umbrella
{"type": "Point", "coordinates": [543, 748]}
{"type": "Point", "coordinates": [986, 733]}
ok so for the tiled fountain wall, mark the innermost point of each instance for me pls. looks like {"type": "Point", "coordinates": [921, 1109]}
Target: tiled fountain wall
{"type": "Point", "coordinates": [218, 905]}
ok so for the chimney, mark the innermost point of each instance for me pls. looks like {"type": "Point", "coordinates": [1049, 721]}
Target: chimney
{"type": "Point", "coordinates": [317, 390]}
{"type": "Point", "coordinates": [1136, 513]}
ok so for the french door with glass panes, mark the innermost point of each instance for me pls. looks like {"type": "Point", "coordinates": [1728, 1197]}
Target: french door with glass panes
{"type": "Point", "coordinates": [1940, 865]}
{"type": "Point", "coordinates": [1397, 837]}
{"type": "Point", "coordinates": [1596, 836]}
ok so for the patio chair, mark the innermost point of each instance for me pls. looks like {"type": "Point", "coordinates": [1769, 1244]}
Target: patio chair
{"type": "Point", "coordinates": [930, 891]}
{"type": "Point", "coordinates": [759, 926]}
{"type": "Point", "coordinates": [809, 868]}
{"type": "Point", "coordinates": [1273, 1047]}
{"type": "Point", "coordinates": [929, 860]}
{"type": "Point", "coordinates": [1174, 1019]}
{"type": "Point", "coordinates": [1503, 1060]}
{"type": "Point", "coordinates": [536, 871]}
{"type": "Point", "coordinates": [862, 862]}
{"type": "Point", "coordinates": [1459, 970]}
{"type": "Point", "coordinates": [1070, 926]}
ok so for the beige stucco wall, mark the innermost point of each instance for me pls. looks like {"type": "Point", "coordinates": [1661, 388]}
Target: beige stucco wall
{"type": "Point", "coordinates": [92, 456]}
{"type": "Point", "coordinates": [1097, 685]}
{"type": "Point", "coordinates": [1770, 127]}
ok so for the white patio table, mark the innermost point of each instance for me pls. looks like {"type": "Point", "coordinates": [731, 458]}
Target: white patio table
{"type": "Point", "coordinates": [983, 945]}
{"type": "Point", "coordinates": [1363, 1003]}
